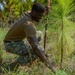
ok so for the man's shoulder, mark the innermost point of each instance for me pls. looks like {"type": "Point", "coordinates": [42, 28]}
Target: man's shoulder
{"type": "Point", "coordinates": [26, 15]}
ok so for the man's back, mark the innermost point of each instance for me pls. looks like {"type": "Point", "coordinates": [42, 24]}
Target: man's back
{"type": "Point", "coordinates": [17, 31]}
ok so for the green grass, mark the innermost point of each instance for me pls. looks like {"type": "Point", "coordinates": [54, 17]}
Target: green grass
{"type": "Point", "coordinates": [38, 68]}
{"type": "Point", "coordinates": [2, 33]}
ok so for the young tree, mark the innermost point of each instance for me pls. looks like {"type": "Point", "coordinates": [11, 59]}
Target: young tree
{"type": "Point", "coordinates": [60, 20]}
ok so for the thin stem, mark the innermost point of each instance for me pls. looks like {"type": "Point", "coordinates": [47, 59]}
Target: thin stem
{"type": "Point", "coordinates": [61, 64]}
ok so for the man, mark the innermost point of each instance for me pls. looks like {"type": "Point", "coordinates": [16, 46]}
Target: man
{"type": "Point", "coordinates": [25, 28]}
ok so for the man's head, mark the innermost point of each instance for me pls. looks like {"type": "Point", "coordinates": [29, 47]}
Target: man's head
{"type": "Point", "coordinates": [37, 11]}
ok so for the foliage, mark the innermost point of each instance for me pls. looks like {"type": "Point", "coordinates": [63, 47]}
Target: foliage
{"type": "Point", "coordinates": [14, 8]}
{"type": "Point", "coordinates": [61, 73]}
{"type": "Point", "coordinates": [60, 13]}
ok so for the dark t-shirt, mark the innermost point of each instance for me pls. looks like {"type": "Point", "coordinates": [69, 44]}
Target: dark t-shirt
{"type": "Point", "coordinates": [24, 27]}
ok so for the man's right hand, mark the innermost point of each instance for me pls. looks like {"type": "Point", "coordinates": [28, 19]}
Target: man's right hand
{"type": "Point", "coordinates": [50, 66]}
{"type": "Point", "coordinates": [47, 9]}
{"type": "Point", "coordinates": [52, 69]}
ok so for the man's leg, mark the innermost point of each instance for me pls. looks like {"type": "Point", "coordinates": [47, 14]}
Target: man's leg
{"type": "Point", "coordinates": [40, 36]}
{"type": "Point", "coordinates": [23, 49]}
{"type": "Point", "coordinates": [18, 48]}
{"type": "Point", "coordinates": [31, 56]}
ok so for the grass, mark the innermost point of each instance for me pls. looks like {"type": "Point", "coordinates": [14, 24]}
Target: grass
{"type": "Point", "coordinates": [37, 68]}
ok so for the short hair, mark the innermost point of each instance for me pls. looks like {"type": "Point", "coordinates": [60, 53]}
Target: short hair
{"type": "Point", "coordinates": [38, 7]}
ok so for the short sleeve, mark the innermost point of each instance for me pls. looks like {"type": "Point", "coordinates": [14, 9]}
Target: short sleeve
{"type": "Point", "coordinates": [29, 29]}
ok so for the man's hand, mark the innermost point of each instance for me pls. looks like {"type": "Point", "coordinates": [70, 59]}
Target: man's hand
{"type": "Point", "coordinates": [50, 66]}
{"type": "Point", "coordinates": [47, 9]}
{"type": "Point", "coordinates": [52, 69]}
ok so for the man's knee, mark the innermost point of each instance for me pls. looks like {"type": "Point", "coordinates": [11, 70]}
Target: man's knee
{"type": "Point", "coordinates": [39, 35]}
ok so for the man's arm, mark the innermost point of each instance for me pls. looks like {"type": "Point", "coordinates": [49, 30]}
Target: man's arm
{"type": "Point", "coordinates": [39, 51]}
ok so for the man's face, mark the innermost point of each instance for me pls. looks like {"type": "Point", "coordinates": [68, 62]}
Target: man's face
{"type": "Point", "coordinates": [38, 16]}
